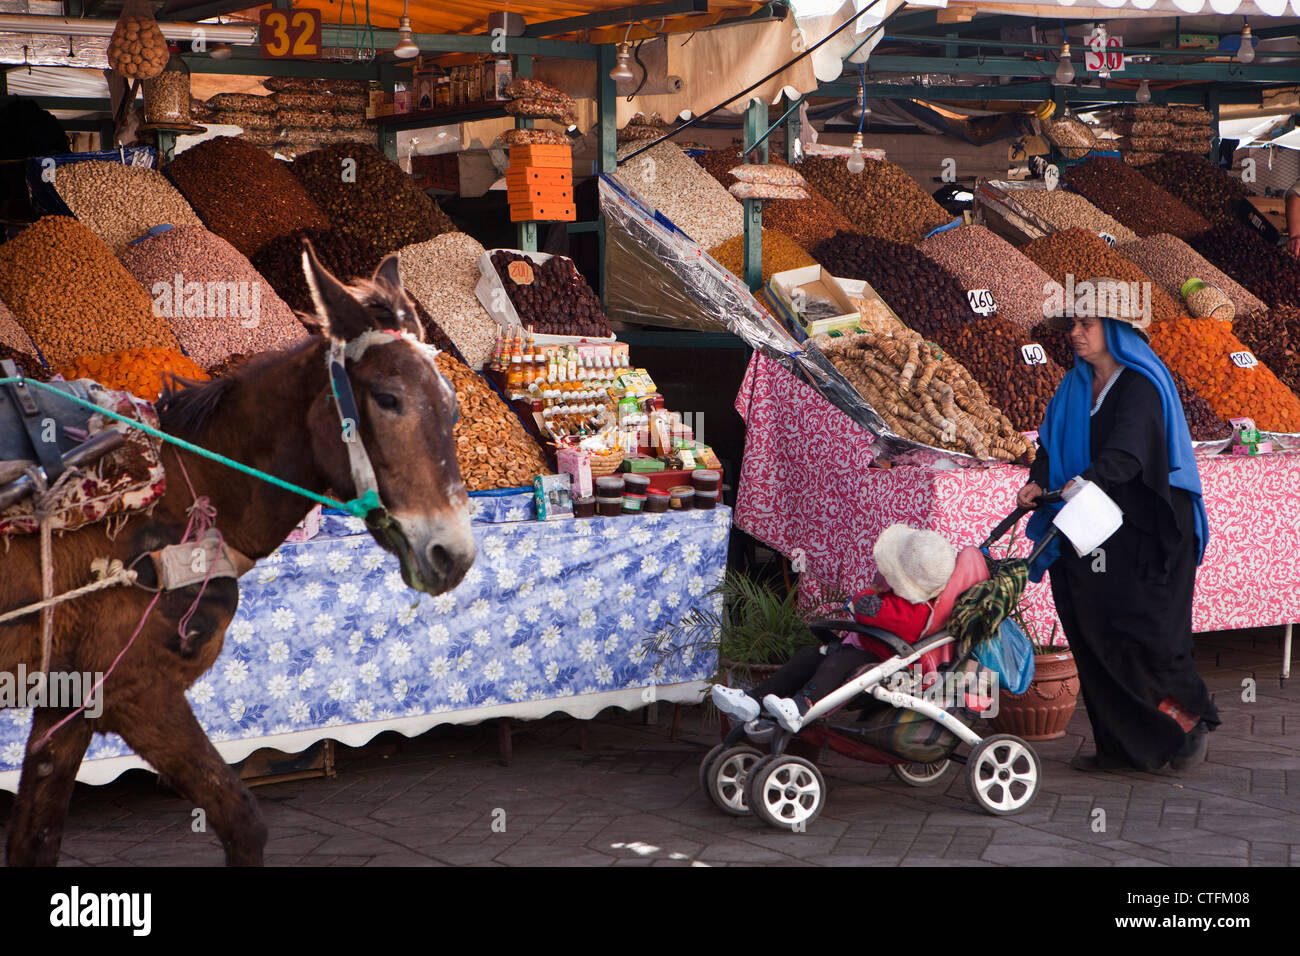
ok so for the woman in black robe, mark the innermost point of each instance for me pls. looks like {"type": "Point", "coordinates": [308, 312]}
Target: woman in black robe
{"type": "Point", "coordinates": [1127, 608]}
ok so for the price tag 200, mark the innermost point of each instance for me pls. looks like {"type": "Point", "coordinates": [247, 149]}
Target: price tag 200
{"type": "Point", "coordinates": [981, 301]}
{"type": "Point", "coordinates": [1243, 359]}
{"type": "Point", "coordinates": [1033, 354]}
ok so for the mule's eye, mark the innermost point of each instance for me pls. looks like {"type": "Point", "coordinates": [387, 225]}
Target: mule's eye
{"type": "Point", "coordinates": [385, 401]}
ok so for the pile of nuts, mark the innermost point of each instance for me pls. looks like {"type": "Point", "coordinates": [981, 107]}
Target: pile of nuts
{"type": "Point", "coordinates": [137, 49]}
{"type": "Point", "coordinates": [14, 340]}
{"type": "Point", "coordinates": [441, 276]}
{"type": "Point", "coordinates": [806, 221]}
{"type": "Point", "coordinates": [142, 372]}
{"type": "Point", "coordinates": [492, 447]}
{"type": "Point", "coordinates": [1200, 184]}
{"type": "Point", "coordinates": [981, 260]}
{"type": "Point", "coordinates": [1062, 209]}
{"type": "Point", "coordinates": [211, 296]}
{"type": "Point", "coordinates": [529, 97]}
{"type": "Point", "coordinates": [780, 254]}
{"type": "Point", "coordinates": [366, 194]}
{"type": "Point", "coordinates": [243, 195]}
{"type": "Point", "coordinates": [1134, 200]}
{"type": "Point", "coordinates": [671, 182]}
{"type": "Point", "coordinates": [1270, 273]}
{"type": "Point", "coordinates": [121, 203]}
{"type": "Point", "coordinates": [881, 201]}
{"type": "Point", "coordinates": [557, 301]}
{"type": "Point", "coordinates": [72, 296]}
{"type": "Point", "coordinates": [923, 394]}
{"type": "Point", "coordinates": [921, 292]}
{"type": "Point", "coordinates": [345, 256]}
{"type": "Point", "coordinates": [1171, 262]}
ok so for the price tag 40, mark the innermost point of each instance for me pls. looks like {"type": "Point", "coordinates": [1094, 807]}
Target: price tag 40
{"type": "Point", "coordinates": [1243, 359]}
{"type": "Point", "coordinates": [1033, 354]}
{"type": "Point", "coordinates": [981, 301]}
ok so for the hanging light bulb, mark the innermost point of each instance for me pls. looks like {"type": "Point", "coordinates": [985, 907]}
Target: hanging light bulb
{"type": "Point", "coordinates": [1144, 92]}
{"type": "Point", "coordinates": [1246, 52]}
{"type": "Point", "coordinates": [857, 162]}
{"type": "Point", "coordinates": [406, 48]}
{"type": "Point", "coordinates": [1064, 69]}
{"type": "Point", "coordinates": [623, 68]}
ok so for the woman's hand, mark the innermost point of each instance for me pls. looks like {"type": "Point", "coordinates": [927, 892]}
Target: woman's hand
{"type": "Point", "coordinates": [1029, 495]}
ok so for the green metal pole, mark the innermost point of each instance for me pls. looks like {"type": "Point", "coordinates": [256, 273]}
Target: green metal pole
{"type": "Point", "coordinates": [607, 135]}
{"type": "Point", "coordinates": [792, 131]}
{"type": "Point", "coordinates": [755, 126]}
{"type": "Point", "coordinates": [527, 231]}
{"type": "Point", "coordinates": [166, 145]}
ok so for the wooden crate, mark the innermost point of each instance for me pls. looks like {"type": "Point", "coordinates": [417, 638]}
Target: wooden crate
{"type": "Point", "coordinates": [543, 212]}
{"type": "Point", "coordinates": [544, 155]}
{"type": "Point", "coordinates": [272, 766]}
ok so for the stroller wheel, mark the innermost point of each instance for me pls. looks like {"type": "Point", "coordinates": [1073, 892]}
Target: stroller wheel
{"type": "Point", "coordinates": [709, 757]}
{"type": "Point", "coordinates": [727, 776]}
{"type": "Point", "coordinates": [1003, 774]}
{"type": "Point", "coordinates": [922, 774]}
{"type": "Point", "coordinates": [787, 792]}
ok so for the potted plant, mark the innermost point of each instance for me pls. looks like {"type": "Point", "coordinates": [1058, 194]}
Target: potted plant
{"type": "Point", "coordinates": [1045, 708]}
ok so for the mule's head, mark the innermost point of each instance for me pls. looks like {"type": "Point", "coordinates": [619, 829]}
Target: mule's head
{"type": "Point", "coordinates": [405, 411]}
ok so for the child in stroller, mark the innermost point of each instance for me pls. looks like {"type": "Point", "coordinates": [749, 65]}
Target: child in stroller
{"type": "Point", "coordinates": [919, 575]}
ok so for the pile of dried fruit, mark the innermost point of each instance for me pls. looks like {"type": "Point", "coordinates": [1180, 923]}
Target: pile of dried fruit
{"type": "Point", "coordinates": [780, 254]}
{"type": "Point", "coordinates": [366, 194]}
{"type": "Point", "coordinates": [806, 221]}
{"type": "Point", "coordinates": [1268, 272]}
{"type": "Point", "coordinates": [880, 201]}
{"type": "Point", "coordinates": [1274, 338]}
{"type": "Point", "coordinates": [1171, 262]}
{"type": "Point", "coordinates": [981, 260]}
{"type": "Point", "coordinates": [243, 195]}
{"type": "Point", "coordinates": [121, 203]}
{"type": "Point", "coordinates": [211, 296]}
{"type": "Point", "coordinates": [441, 276]}
{"type": "Point", "coordinates": [492, 447]}
{"type": "Point", "coordinates": [671, 182]}
{"type": "Point", "coordinates": [994, 352]}
{"type": "Point", "coordinates": [142, 372]}
{"type": "Point", "coordinates": [557, 300]}
{"type": "Point", "coordinates": [1199, 183]}
{"type": "Point", "coordinates": [1123, 192]}
{"type": "Point", "coordinates": [348, 257]}
{"type": "Point", "coordinates": [72, 296]}
{"type": "Point", "coordinates": [923, 394]}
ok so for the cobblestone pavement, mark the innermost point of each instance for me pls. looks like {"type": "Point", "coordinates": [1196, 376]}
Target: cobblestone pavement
{"type": "Point", "coordinates": [631, 799]}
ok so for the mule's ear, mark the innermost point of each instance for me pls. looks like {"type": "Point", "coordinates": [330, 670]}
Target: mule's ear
{"type": "Point", "coordinates": [340, 315]}
{"type": "Point", "coordinates": [386, 272]}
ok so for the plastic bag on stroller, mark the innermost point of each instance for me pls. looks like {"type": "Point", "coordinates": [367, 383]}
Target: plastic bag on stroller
{"type": "Point", "coordinates": [1010, 655]}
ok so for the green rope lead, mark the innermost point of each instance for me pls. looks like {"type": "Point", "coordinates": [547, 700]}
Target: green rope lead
{"type": "Point", "coordinates": [357, 507]}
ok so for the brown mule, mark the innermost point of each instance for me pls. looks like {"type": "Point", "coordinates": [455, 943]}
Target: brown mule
{"type": "Point", "coordinates": [278, 415]}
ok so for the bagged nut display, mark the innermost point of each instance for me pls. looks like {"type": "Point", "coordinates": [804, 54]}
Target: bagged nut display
{"type": "Point", "coordinates": [121, 203]}
{"type": "Point", "coordinates": [306, 119]}
{"type": "Point", "coordinates": [669, 181]}
{"type": "Point", "coordinates": [532, 98]}
{"type": "Point", "coordinates": [441, 274]}
{"type": "Point", "coordinates": [242, 194]}
{"type": "Point", "coordinates": [534, 137]}
{"type": "Point", "coordinates": [492, 447]}
{"type": "Point", "coordinates": [766, 191]}
{"type": "Point", "coordinates": [137, 49]}
{"type": "Point", "coordinates": [210, 295]}
{"type": "Point", "coordinates": [72, 296]}
{"type": "Point", "coordinates": [246, 119]}
{"type": "Point", "coordinates": [767, 174]}
{"type": "Point", "coordinates": [312, 102]}
{"type": "Point", "coordinates": [240, 103]}
{"type": "Point", "coordinates": [881, 201]}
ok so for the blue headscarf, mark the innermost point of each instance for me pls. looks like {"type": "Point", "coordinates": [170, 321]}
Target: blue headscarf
{"type": "Point", "coordinates": [1066, 430]}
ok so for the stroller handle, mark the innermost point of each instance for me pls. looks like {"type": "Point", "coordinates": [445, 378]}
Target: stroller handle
{"type": "Point", "coordinates": [1010, 521]}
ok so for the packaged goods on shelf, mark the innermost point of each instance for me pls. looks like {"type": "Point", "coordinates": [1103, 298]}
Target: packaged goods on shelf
{"type": "Point", "coordinates": [1134, 200]}
{"type": "Point", "coordinates": [241, 102]}
{"type": "Point", "coordinates": [210, 295]}
{"type": "Point", "coordinates": [242, 194]}
{"type": "Point", "coordinates": [121, 203]}
{"type": "Point", "coordinates": [72, 296]}
{"type": "Point", "coordinates": [881, 201]}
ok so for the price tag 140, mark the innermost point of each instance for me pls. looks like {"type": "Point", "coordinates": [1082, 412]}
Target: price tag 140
{"type": "Point", "coordinates": [981, 301]}
{"type": "Point", "coordinates": [1033, 354]}
{"type": "Point", "coordinates": [1243, 359]}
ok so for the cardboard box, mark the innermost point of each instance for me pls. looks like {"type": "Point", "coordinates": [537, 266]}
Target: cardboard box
{"type": "Point", "coordinates": [808, 284]}
{"type": "Point", "coordinates": [554, 494]}
{"type": "Point", "coordinates": [540, 195]}
{"type": "Point", "coordinates": [519, 176]}
{"type": "Point", "coordinates": [543, 212]}
{"type": "Point", "coordinates": [541, 154]}
{"type": "Point", "coordinates": [576, 463]}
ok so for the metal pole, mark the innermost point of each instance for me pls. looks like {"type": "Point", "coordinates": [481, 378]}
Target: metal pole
{"type": "Point", "coordinates": [527, 231]}
{"type": "Point", "coordinates": [792, 131]}
{"type": "Point", "coordinates": [755, 119]}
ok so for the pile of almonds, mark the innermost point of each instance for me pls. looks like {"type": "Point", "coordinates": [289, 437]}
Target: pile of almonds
{"type": "Point", "coordinates": [120, 203]}
{"type": "Point", "coordinates": [492, 447]}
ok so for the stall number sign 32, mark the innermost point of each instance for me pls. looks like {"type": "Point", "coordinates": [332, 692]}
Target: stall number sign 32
{"type": "Point", "coordinates": [290, 34]}
{"type": "Point", "coordinates": [981, 301]}
{"type": "Point", "coordinates": [1243, 359]}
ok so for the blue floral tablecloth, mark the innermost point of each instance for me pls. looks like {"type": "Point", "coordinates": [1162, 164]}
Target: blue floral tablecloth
{"type": "Point", "coordinates": [328, 636]}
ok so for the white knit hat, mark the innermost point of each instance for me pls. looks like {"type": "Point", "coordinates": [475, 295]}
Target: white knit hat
{"type": "Point", "coordinates": [916, 564]}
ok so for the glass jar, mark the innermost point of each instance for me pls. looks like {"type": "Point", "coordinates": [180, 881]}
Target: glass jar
{"type": "Point", "coordinates": [167, 95]}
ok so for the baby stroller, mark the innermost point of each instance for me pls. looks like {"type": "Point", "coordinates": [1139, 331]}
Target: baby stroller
{"type": "Point", "coordinates": [874, 720]}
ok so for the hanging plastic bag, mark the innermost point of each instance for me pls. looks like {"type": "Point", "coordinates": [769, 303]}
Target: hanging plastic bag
{"type": "Point", "coordinates": [137, 49]}
{"type": "Point", "coordinates": [1010, 655]}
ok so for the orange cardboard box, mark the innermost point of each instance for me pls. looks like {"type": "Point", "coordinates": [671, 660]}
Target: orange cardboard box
{"type": "Point", "coordinates": [543, 212]}
{"type": "Point", "coordinates": [540, 194]}
{"type": "Point", "coordinates": [545, 155]}
{"type": "Point", "coordinates": [518, 177]}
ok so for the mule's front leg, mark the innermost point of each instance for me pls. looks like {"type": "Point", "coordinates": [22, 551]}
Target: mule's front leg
{"type": "Point", "coordinates": [41, 808]}
{"type": "Point", "coordinates": [166, 734]}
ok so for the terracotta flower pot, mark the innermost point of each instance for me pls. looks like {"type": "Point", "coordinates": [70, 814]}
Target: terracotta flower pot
{"type": "Point", "coordinates": [1041, 712]}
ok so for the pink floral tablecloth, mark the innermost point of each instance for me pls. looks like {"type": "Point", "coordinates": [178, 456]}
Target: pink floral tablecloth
{"type": "Point", "coordinates": [807, 490]}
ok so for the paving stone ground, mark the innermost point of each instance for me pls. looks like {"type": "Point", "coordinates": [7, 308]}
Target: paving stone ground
{"type": "Point", "coordinates": [631, 799]}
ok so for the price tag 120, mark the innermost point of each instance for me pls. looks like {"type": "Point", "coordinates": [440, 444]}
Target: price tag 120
{"type": "Point", "coordinates": [1243, 359]}
{"type": "Point", "coordinates": [1033, 354]}
{"type": "Point", "coordinates": [981, 301]}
